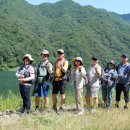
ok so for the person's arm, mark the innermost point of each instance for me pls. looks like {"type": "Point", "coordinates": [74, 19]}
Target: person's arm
{"type": "Point", "coordinates": [32, 75]}
{"type": "Point", "coordinates": [82, 71]}
{"type": "Point", "coordinates": [98, 71]}
{"type": "Point", "coordinates": [127, 70]}
{"type": "Point", "coordinates": [49, 67]}
{"type": "Point", "coordinates": [65, 66]}
{"type": "Point", "coordinates": [17, 74]}
{"type": "Point", "coordinates": [115, 75]}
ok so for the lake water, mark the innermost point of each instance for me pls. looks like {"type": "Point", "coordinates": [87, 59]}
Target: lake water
{"type": "Point", "coordinates": [8, 81]}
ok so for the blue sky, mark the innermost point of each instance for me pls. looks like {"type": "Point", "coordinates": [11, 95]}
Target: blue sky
{"type": "Point", "coordinates": [117, 6]}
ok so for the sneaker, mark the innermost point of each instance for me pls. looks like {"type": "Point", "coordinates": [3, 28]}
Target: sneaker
{"type": "Point", "coordinates": [116, 105]}
{"type": "Point", "coordinates": [54, 108]}
{"type": "Point", "coordinates": [93, 110]}
{"type": "Point", "coordinates": [81, 112]}
{"type": "Point", "coordinates": [61, 109]}
{"type": "Point", "coordinates": [37, 110]}
{"type": "Point", "coordinates": [46, 109]}
{"type": "Point", "coordinates": [125, 107]}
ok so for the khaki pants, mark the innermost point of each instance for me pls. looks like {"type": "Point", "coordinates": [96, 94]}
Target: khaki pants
{"type": "Point", "coordinates": [79, 98]}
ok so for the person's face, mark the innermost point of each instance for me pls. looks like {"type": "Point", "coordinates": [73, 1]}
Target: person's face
{"type": "Point", "coordinates": [44, 57]}
{"type": "Point", "coordinates": [60, 55]}
{"type": "Point", "coordinates": [94, 61]}
{"type": "Point", "coordinates": [110, 65]}
{"type": "Point", "coordinates": [77, 62]}
{"type": "Point", "coordinates": [26, 61]}
{"type": "Point", "coordinates": [124, 59]}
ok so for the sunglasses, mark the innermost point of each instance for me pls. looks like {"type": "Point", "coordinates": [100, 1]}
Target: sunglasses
{"type": "Point", "coordinates": [111, 64]}
{"type": "Point", "coordinates": [77, 60]}
{"type": "Point", "coordinates": [59, 53]}
{"type": "Point", "coordinates": [94, 59]}
{"type": "Point", "coordinates": [45, 55]}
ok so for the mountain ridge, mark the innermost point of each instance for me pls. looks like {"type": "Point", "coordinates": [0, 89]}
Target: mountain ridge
{"type": "Point", "coordinates": [80, 30]}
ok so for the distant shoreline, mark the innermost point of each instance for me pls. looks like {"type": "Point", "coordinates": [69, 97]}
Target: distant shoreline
{"type": "Point", "coordinates": [10, 69]}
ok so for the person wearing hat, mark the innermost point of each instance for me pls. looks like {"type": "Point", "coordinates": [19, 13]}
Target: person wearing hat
{"type": "Point", "coordinates": [93, 73]}
{"type": "Point", "coordinates": [44, 69]}
{"type": "Point", "coordinates": [25, 75]}
{"type": "Point", "coordinates": [123, 80]}
{"type": "Point", "coordinates": [109, 77]}
{"type": "Point", "coordinates": [79, 74]}
{"type": "Point", "coordinates": [60, 79]}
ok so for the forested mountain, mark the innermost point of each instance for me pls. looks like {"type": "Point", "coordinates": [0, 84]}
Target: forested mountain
{"type": "Point", "coordinates": [125, 17]}
{"type": "Point", "coordinates": [80, 30]}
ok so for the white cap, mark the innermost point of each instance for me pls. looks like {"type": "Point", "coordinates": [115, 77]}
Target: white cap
{"type": "Point", "coordinates": [61, 50]}
{"type": "Point", "coordinates": [80, 59]}
{"type": "Point", "coordinates": [45, 52]}
{"type": "Point", "coordinates": [29, 57]}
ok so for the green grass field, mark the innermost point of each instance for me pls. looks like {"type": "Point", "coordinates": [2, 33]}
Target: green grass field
{"type": "Point", "coordinates": [115, 119]}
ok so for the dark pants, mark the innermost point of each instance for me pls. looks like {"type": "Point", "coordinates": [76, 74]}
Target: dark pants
{"type": "Point", "coordinates": [59, 86]}
{"type": "Point", "coordinates": [25, 94]}
{"type": "Point", "coordinates": [122, 87]}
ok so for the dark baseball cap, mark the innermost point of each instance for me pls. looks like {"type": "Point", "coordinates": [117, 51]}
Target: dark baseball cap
{"type": "Point", "coordinates": [124, 55]}
{"type": "Point", "coordinates": [95, 56]}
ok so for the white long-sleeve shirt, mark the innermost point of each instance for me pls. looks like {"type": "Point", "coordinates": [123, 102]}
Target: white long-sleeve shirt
{"type": "Point", "coordinates": [28, 69]}
{"type": "Point", "coordinates": [79, 77]}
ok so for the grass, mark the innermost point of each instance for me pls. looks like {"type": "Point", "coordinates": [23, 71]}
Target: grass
{"type": "Point", "coordinates": [115, 119]}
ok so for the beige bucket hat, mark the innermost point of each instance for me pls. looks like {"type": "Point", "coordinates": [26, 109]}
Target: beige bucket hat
{"type": "Point", "coordinates": [29, 57]}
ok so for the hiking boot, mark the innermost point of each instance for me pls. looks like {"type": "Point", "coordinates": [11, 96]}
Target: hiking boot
{"type": "Point", "coordinates": [27, 112]}
{"type": "Point", "coordinates": [125, 107]}
{"type": "Point", "coordinates": [116, 105]}
{"type": "Point", "coordinates": [61, 109]}
{"type": "Point", "coordinates": [37, 109]}
{"type": "Point", "coordinates": [54, 108]}
{"type": "Point", "coordinates": [23, 110]}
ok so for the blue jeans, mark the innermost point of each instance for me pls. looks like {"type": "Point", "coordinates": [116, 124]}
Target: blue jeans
{"type": "Point", "coordinates": [107, 92]}
{"type": "Point", "coordinates": [25, 94]}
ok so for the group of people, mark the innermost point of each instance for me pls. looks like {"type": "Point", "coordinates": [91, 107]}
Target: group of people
{"type": "Point", "coordinates": [92, 78]}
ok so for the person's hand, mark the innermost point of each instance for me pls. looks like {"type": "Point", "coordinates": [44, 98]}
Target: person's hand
{"type": "Point", "coordinates": [21, 76]}
{"type": "Point", "coordinates": [21, 80]}
{"type": "Point", "coordinates": [62, 63]}
{"type": "Point", "coordinates": [48, 65]}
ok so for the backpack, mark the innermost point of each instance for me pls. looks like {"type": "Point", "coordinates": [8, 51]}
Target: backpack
{"type": "Point", "coordinates": [42, 73]}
